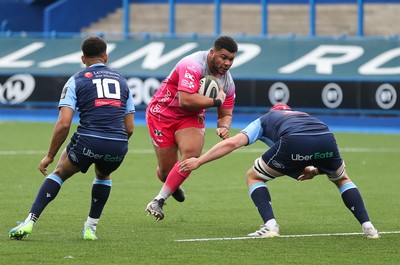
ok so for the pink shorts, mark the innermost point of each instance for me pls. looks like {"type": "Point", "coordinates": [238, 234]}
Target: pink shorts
{"type": "Point", "coordinates": [162, 133]}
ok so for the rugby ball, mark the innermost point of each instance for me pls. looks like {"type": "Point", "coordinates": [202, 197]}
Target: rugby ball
{"type": "Point", "coordinates": [209, 86]}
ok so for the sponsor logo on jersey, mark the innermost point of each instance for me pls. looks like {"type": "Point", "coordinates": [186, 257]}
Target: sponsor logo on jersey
{"type": "Point", "coordinates": [64, 92]}
{"type": "Point", "coordinates": [317, 155]}
{"type": "Point", "coordinates": [189, 76]}
{"type": "Point", "coordinates": [107, 158]}
{"type": "Point", "coordinates": [192, 68]}
{"type": "Point", "coordinates": [89, 153]}
{"type": "Point", "coordinates": [88, 74]}
{"type": "Point", "coordinates": [187, 83]}
{"type": "Point", "coordinates": [161, 103]}
{"type": "Point", "coordinates": [110, 158]}
{"type": "Point", "coordinates": [107, 102]}
{"type": "Point", "coordinates": [158, 133]}
{"type": "Point", "coordinates": [73, 157]}
{"type": "Point", "coordinates": [277, 164]}
{"type": "Point", "coordinates": [154, 142]}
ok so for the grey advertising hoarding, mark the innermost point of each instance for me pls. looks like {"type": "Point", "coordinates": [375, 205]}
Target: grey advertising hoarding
{"type": "Point", "coordinates": [299, 59]}
{"type": "Point", "coordinates": [361, 74]}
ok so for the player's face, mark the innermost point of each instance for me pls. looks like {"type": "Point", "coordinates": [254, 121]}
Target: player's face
{"type": "Point", "coordinates": [221, 61]}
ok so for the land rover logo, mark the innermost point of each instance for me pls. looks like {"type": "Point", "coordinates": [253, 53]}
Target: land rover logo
{"type": "Point", "coordinates": [386, 96]}
{"type": "Point", "coordinates": [279, 93]}
{"type": "Point", "coordinates": [332, 95]}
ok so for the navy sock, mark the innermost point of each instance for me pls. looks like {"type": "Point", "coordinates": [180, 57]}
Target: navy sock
{"type": "Point", "coordinates": [100, 192]}
{"type": "Point", "coordinates": [352, 199]}
{"type": "Point", "coordinates": [260, 195]}
{"type": "Point", "coordinates": [47, 192]}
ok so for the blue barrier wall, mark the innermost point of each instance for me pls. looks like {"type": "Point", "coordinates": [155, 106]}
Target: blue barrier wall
{"type": "Point", "coordinates": [72, 15]}
{"type": "Point", "coordinates": [20, 17]}
{"type": "Point", "coordinates": [61, 16]}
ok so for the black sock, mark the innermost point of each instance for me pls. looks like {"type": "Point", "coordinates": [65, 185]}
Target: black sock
{"type": "Point", "coordinates": [47, 192]}
{"type": "Point", "coordinates": [260, 195]}
{"type": "Point", "coordinates": [352, 199]}
{"type": "Point", "coordinates": [100, 192]}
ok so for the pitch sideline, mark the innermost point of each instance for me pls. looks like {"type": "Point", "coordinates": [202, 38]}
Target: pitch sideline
{"type": "Point", "coordinates": [282, 236]}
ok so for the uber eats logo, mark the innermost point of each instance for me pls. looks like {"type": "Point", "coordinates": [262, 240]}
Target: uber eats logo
{"type": "Point", "coordinates": [317, 155]}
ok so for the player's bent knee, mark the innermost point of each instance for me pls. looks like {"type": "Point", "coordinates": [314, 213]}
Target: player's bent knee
{"type": "Point", "coordinates": [339, 175]}
{"type": "Point", "coordinates": [261, 170]}
{"type": "Point", "coordinates": [162, 177]}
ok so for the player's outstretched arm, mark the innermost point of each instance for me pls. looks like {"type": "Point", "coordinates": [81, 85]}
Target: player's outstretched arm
{"type": "Point", "coordinates": [219, 150]}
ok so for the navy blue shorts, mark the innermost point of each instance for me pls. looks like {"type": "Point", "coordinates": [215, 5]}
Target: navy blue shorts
{"type": "Point", "coordinates": [107, 155]}
{"type": "Point", "coordinates": [293, 153]}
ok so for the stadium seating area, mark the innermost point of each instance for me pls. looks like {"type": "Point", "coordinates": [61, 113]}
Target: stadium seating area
{"type": "Point", "coordinates": [283, 19]}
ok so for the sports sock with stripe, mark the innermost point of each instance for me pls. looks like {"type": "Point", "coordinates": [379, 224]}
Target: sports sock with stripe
{"type": "Point", "coordinates": [100, 192]}
{"type": "Point", "coordinates": [259, 193]}
{"type": "Point", "coordinates": [47, 192]}
{"type": "Point", "coordinates": [352, 199]}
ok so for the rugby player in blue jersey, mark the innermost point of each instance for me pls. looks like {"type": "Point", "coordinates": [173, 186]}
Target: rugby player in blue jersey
{"type": "Point", "coordinates": [106, 108]}
{"type": "Point", "coordinates": [301, 147]}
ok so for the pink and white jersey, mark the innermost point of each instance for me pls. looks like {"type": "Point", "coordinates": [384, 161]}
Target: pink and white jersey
{"type": "Point", "coordinates": [186, 77]}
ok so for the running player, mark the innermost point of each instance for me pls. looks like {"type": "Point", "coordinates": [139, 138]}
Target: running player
{"type": "Point", "coordinates": [106, 108]}
{"type": "Point", "coordinates": [175, 115]}
{"type": "Point", "coordinates": [301, 147]}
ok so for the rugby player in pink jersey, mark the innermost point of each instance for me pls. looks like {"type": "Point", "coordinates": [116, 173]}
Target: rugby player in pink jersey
{"type": "Point", "coordinates": [175, 115]}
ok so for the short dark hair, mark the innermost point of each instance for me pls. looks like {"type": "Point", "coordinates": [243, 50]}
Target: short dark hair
{"type": "Point", "coordinates": [227, 43]}
{"type": "Point", "coordinates": [93, 47]}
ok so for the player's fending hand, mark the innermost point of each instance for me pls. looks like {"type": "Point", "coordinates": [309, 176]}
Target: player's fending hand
{"type": "Point", "coordinates": [189, 164]}
{"type": "Point", "coordinates": [222, 132]}
{"type": "Point", "coordinates": [46, 161]}
{"type": "Point", "coordinates": [308, 173]}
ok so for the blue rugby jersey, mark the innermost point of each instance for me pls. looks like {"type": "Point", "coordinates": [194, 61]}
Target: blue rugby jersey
{"type": "Point", "coordinates": [277, 123]}
{"type": "Point", "coordinates": [102, 98]}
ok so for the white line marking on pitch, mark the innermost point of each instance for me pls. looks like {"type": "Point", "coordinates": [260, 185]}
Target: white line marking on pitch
{"type": "Point", "coordinates": [282, 236]}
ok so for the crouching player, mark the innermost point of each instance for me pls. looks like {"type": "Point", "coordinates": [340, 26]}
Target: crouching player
{"type": "Point", "coordinates": [294, 138]}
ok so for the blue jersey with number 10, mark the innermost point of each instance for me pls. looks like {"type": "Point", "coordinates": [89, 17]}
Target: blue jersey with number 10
{"type": "Point", "coordinates": [103, 98]}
